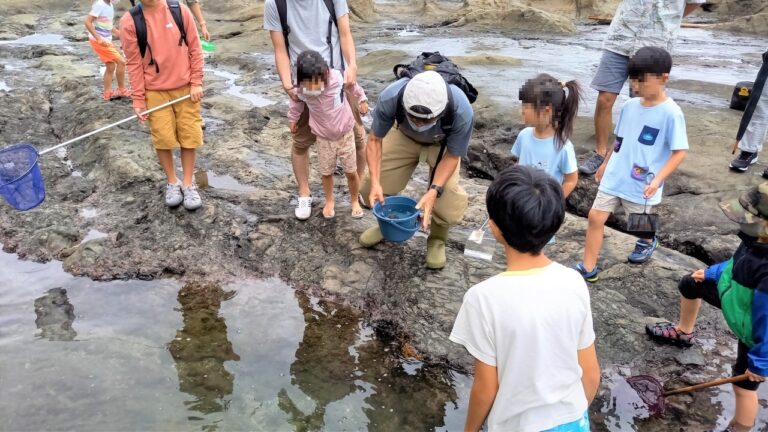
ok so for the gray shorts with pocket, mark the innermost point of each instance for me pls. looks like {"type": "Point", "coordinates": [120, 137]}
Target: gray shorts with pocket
{"type": "Point", "coordinates": [608, 203]}
{"type": "Point", "coordinates": [612, 73]}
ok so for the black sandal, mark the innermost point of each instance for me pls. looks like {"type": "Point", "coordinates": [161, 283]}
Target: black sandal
{"type": "Point", "coordinates": [668, 333]}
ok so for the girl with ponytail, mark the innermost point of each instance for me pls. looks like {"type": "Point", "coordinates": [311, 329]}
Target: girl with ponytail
{"type": "Point", "coordinates": [549, 110]}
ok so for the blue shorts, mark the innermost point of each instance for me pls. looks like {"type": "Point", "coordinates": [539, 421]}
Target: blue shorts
{"type": "Point", "coordinates": [612, 73]}
{"type": "Point", "coordinates": [580, 425]}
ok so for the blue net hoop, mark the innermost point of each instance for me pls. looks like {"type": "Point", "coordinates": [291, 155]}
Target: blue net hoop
{"type": "Point", "coordinates": [21, 181]}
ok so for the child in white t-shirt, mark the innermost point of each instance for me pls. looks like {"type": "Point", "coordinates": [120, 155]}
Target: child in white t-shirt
{"type": "Point", "coordinates": [530, 328]}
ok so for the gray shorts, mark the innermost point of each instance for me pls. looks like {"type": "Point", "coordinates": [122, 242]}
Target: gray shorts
{"type": "Point", "coordinates": [608, 203]}
{"type": "Point", "coordinates": [612, 73]}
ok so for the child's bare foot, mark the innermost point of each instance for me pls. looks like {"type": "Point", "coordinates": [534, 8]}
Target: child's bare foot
{"type": "Point", "coordinates": [328, 210]}
{"type": "Point", "coordinates": [357, 211]}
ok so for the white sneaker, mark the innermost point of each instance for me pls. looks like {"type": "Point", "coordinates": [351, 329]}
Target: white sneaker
{"type": "Point", "coordinates": [173, 194]}
{"type": "Point", "coordinates": [304, 208]}
{"type": "Point", "coordinates": [192, 200]}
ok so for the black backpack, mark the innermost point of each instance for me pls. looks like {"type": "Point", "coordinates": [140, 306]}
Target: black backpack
{"type": "Point", "coordinates": [137, 12]}
{"type": "Point", "coordinates": [741, 93]}
{"type": "Point", "coordinates": [282, 10]}
{"type": "Point", "coordinates": [434, 61]}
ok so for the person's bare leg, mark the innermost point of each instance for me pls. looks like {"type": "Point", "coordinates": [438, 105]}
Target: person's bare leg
{"type": "Point", "coordinates": [689, 311]}
{"type": "Point", "coordinates": [746, 408]}
{"type": "Point", "coordinates": [353, 181]}
{"type": "Point", "coordinates": [111, 67]}
{"type": "Point", "coordinates": [188, 157]}
{"type": "Point", "coordinates": [360, 144]}
{"type": "Point", "coordinates": [604, 121]}
{"type": "Point", "coordinates": [300, 162]}
{"type": "Point", "coordinates": [330, 204]}
{"type": "Point", "coordinates": [166, 161]}
{"type": "Point", "coordinates": [120, 72]}
{"type": "Point", "coordinates": [594, 242]}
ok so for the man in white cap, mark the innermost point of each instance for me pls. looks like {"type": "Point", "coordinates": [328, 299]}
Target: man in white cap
{"type": "Point", "coordinates": [433, 125]}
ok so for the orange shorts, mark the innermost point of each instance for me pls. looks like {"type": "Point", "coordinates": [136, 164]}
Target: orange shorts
{"type": "Point", "coordinates": [179, 125]}
{"type": "Point", "coordinates": [107, 54]}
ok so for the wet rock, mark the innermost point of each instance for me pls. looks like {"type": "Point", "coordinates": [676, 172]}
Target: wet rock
{"type": "Point", "coordinates": [691, 357]}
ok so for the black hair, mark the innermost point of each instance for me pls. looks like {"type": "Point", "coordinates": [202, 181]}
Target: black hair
{"type": "Point", "coordinates": [528, 207]}
{"type": "Point", "coordinates": [649, 60]}
{"type": "Point", "coordinates": [310, 65]}
{"type": "Point", "coordinates": [544, 91]}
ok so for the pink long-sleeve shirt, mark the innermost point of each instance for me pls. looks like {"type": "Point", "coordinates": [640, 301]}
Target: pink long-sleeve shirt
{"type": "Point", "coordinates": [329, 117]}
{"type": "Point", "coordinates": [179, 65]}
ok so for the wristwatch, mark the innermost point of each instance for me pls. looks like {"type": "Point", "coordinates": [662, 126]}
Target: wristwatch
{"type": "Point", "coordinates": [439, 190]}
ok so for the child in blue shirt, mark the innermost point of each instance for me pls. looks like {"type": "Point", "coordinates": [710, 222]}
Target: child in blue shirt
{"type": "Point", "coordinates": [651, 143]}
{"type": "Point", "coordinates": [549, 109]}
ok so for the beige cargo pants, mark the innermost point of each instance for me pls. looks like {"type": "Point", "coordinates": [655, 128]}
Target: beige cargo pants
{"type": "Point", "coordinates": [399, 157]}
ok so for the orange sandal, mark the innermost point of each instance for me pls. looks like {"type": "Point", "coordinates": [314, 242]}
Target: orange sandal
{"type": "Point", "coordinates": [107, 96]}
{"type": "Point", "coordinates": [122, 93]}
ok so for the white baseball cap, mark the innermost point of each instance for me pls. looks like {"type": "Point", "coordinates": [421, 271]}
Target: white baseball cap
{"type": "Point", "coordinates": [426, 95]}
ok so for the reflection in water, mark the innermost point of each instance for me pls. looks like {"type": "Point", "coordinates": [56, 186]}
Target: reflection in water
{"type": "Point", "coordinates": [201, 347]}
{"type": "Point", "coordinates": [338, 361]}
{"type": "Point", "coordinates": [324, 366]}
{"type": "Point", "coordinates": [55, 316]}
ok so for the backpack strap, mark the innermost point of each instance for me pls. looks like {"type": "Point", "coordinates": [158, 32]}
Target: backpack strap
{"type": "Point", "coordinates": [446, 124]}
{"type": "Point", "coordinates": [137, 13]}
{"type": "Point", "coordinates": [175, 8]}
{"type": "Point", "coordinates": [282, 11]}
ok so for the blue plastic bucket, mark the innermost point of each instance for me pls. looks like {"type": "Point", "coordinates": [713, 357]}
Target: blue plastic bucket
{"type": "Point", "coordinates": [21, 182]}
{"type": "Point", "coordinates": [398, 219]}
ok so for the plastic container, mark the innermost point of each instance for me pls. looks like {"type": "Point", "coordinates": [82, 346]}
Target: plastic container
{"type": "Point", "coordinates": [398, 218]}
{"type": "Point", "coordinates": [481, 244]}
{"type": "Point", "coordinates": [208, 47]}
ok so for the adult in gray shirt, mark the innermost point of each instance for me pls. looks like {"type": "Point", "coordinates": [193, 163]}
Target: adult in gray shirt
{"type": "Point", "coordinates": [394, 153]}
{"type": "Point", "coordinates": [309, 22]}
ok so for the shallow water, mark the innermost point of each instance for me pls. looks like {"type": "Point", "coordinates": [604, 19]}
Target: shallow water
{"type": "Point", "coordinates": [702, 55]}
{"type": "Point", "coordinates": [5, 87]}
{"type": "Point", "coordinates": [237, 91]}
{"type": "Point", "coordinates": [256, 355]}
{"type": "Point", "coordinates": [38, 39]}
{"type": "Point", "coordinates": [225, 181]}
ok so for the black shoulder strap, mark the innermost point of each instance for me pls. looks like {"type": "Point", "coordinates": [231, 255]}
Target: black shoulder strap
{"type": "Point", "coordinates": [446, 121]}
{"type": "Point", "coordinates": [177, 16]}
{"type": "Point", "coordinates": [400, 110]}
{"type": "Point", "coordinates": [282, 10]}
{"type": "Point", "coordinates": [137, 13]}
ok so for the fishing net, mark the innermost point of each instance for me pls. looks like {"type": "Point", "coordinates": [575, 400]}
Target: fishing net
{"type": "Point", "coordinates": [643, 225]}
{"type": "Point", "coordinates": [651, 391]}
{"type": "Point", "coordinates": [21, 182]}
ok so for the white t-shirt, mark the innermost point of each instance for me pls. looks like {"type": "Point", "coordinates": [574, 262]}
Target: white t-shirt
{"type": "Point", "coordinates": [105, 17]}
{"type": "Point", "coordinates": [530, 325]}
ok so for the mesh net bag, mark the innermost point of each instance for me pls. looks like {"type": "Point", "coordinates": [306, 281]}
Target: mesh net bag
{"type": "Point", "coordinates": [651, 391]}
{"type": "Point", "coordinates": [21, 182]}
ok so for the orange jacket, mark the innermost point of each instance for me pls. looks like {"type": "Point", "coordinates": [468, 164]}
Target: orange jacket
{"type": "Point", "coordinates": [179, 65]}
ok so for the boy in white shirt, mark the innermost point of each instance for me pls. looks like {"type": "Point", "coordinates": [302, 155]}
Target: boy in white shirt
{"type": "Point", "coordinates": [530, 328]}
{"type": "Point", "coordinates": [101, 30]}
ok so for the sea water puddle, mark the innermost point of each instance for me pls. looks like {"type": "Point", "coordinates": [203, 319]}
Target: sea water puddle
{"type": "Point", "coordinates": [93, 235]}
{"type": "Point", "coordinates": [5, 87]}
{"type": "Point", "coordinates": [237, 91]}
{"type": "Point", "coordinates": [162, 355]}
{"type": "Point", "coordinates": [225, 181]}
{"type": "Point", "coordinates": [577, 57]}
{"type": "Point", "coordinates": [38, 39]}
{"type": "Point", "coordinates": [88, 213]}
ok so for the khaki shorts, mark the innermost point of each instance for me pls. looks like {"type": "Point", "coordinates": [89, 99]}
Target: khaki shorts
{"type": "Point", "coordinates": [608, 203]}
{"type": "Point", "coordinates": [179, 125]}
{"type": "Point", "coordinates": [342, 149]}
{"type": "Point", "coordinates": [304, 138]}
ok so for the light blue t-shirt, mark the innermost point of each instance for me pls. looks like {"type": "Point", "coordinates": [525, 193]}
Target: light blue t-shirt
{"type": "Point", "coordinates": [385, 116]}
{"type": "Point", "coordinates": [542, 154]}
{"type": "Point", "coordinates": [645, 139]}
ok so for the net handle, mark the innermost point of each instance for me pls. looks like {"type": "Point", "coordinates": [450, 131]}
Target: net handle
{"type": "Point", "coordinates": [714, 383]}
{"type": "Point", "coordinates": [648, 180]}
{"type": "Point", "coordinates": [64, 144]}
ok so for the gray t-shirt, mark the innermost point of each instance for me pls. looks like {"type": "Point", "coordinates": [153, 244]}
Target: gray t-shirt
{"type": "Point", "coordinates": [308, 20]}
{"type": "Point", "coordinates": [385, 116]}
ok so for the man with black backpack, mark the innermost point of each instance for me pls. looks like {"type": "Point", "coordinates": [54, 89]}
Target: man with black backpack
{"type": "Point", "coordinates": [322, 26]}
{"type": "Point", "coordinates": [165, 63]}
{"type": "Point", "coordinates": [430, 104]}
